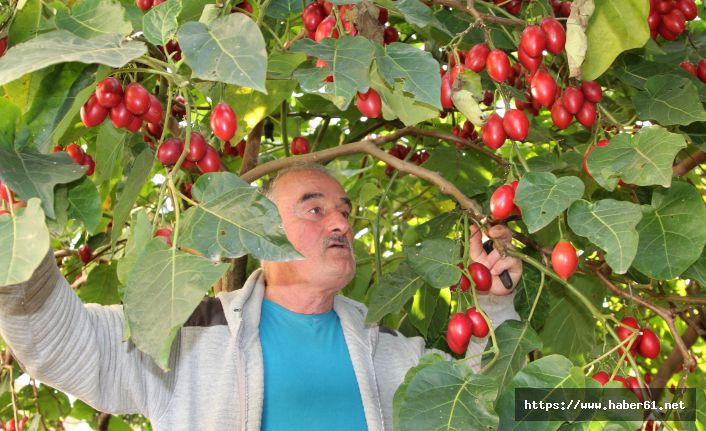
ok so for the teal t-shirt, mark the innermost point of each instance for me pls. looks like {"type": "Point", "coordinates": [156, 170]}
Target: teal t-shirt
{"type": "Point", "coordinates": [309, 379]}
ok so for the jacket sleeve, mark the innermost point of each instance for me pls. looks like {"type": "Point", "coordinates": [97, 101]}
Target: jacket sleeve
{"type": "Point", "coordinates": [79, 349]}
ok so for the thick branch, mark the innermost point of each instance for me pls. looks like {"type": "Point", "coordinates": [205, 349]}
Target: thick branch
{"type": "Point", "coordinates": [688, 164]}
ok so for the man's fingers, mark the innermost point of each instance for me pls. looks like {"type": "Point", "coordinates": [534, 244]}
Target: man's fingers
{"type": "Point", "coordinates": [477, 251]}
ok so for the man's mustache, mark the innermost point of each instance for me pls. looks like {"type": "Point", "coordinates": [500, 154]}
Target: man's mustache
{"type": "Point", "coordinates": [337, 240]}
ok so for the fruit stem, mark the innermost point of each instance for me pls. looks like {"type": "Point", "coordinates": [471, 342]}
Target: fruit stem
{"type": "Point", "coordinates": [283, 127]}
{"type": "Point", "coordinates": [608, 114]}
{"type": "Point", "coordinates": [523, 162]}
{"type": "Point", "coordinates": [262, 10]}
{"type": "Point", "coordinates": [536, 299]}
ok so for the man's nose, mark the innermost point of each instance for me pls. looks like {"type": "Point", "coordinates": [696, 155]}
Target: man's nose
{"type": "Point", "coordinates": [338, 222]}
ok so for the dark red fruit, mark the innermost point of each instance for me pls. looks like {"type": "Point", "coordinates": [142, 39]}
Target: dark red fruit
{"type": "Point", "coordinates": [653, 20]}
{"type": "Point", "coordinates": [480, 326]}
{"type": "Point", "coordinates": [587, 114]}
{"type": "Point", "coordinates": [170, 151]}
{"type": "Point", "coordinates": [624, 333]}
{"type": "Point", "coordinates": [572, 99]}
{"type": "Point", "coordinates": [664, 6]}
{"type": "Point", "coordinates": [592, 91]}
{"type": "Point", "coordinates": [481, 275]}
{"type": "Point", "coordinates": [172, 48]}
{"type": "Point", "coordinates": [197, 147]}
{"type": "Point", "coordinates": [516, 124]}
{"type": "Point", "coordinates": [90, 165]}
{"type": "Point", "coordinates": [300, 145]}
{"type": "Point", "coordinates": [382, 16]}
{"type": "Point", "coordinates": [369, 103]}
{"type": "Point", "coordinates": [498, 65]}
{"type": "Point", "coordinates": [223, 121]}
{"type": "Point", "coordinates": [565, 9]}
{"type": "Point", "coordinates": [674, 21]}
{"type": "Point", "coordinates": [533, 41]}
{"type": "Point", "coordinates": [689, 67]}
{"type": "Point", "coordinates": [501, 202]}
{"type": "Point", "coordinates": [135, 124]}
{"type": "Point", "coordinates": [92, 113]}
{"type": "Point", "coordinates": [459, 332]}
{"type": "Point", "coordinates": [390, 35]}
{"type": "Point", "coordinates": [564, 259]}
{"type": "Point", "coordinates": [601, 377]}
{"type": "Point", "coordinates": [446, 101]}
{"type": "Point", "coordinates": [164, 233]}
{"type": "Point", "coordinates": [211, 161]}
{"type": "Point", "coordinates": [476, 57]}
{"type": "Point", "coordinates": [144, 5]}
{"type": "Point", "coordinates": [463, 283]}
{"type": "Point", "coordinates": [76, 153]}
{"type": "Point", "coordinates": [85, 253]}
{"type": "Point", "coordinates": [155, 129]}
{"type": "Point", "coordinates": [154, 114]}
{"type": "Point", "coordinates": [109, 92]}
{"type": "Point", "coordinates": [136, 98]}
{"type": "Point", "coordinates": [3, 45]}
{"type": "Point", "coordinates": [701, 70]}
{"type": "Point", "coordinates": [493, 132]}
{"type": "Point", "coordinates": [688, 8]}
{"type": "Point", "coordinates": [179, 107]}
{"type": "Point", "coordinates": [327, 28]}
{"type": "Point", "coordinates": [531, 63]}
{"type": "Point", "coordinates": [488, 97]}
{"type": "Point", "coordinates": [560, 116]}
{"type": "Point", "coordinates": [543, 88]}
{"type": "Point", "coordinates": [312, 16]}
{"type": "Point", "coordinates": [120, 116]}
{"type": "Point", "coordinates": [649, 346]}
{"type": "Point", "coordinates": [555, 35]}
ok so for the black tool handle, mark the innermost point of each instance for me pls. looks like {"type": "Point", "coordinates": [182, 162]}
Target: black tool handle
{"type": "Point", "coordinates": [504, 276]}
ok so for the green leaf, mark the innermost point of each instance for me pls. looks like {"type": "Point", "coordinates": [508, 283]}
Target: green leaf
{"type": "Point", "coordinates": [643, 159]}
{"type": "Point", "coordinates": [32, 174]}
{"type": "Point", "coordinates": [397, 104]}
{"type": "Point", "coordinates": [349, 61]}
{"type": "Point", "coordinates": [447, 395]}
{"type": "Point", "coordinates": [421, 313]}
{"type": "Point", "coordinates": [415, 67]}
{"type": "Point", "coordinates": [395, 289]}
{"type": "Point", "coordinates": [91, 18]}
{"type": "Point", "coordinates": [230, 49]}
{"type": "Point", "coordinates": [515, 341]}
{"type": "Point", "coordinates": [160, 22]}
{"type": "Point", "coordinates": [467, 170]}
{"type": "Point", "coordinates": [140, 236]}
{"type": "Point", "coordinates": [419, 14]}
{"type": "Point", "coordinates": [138, 173]}
{"type": "Point", "coordinates": [110, 145]}
{"type": "Point", "coordinates": [251, 106]}
{"type": "Point", "coordinates": [436, 261]}
{"type": "Point", "coordinates": [542, 197]}
{"type": "Point", "coordinates": [669, 100]}
{"type": "Point", "coordinates": [27, 22]}
{"type": "Point", "coordinates": [85, 203]}
{"type": "Point", "coordinates": [162, 291]}
{"type": "Point", "coordinates": [233, 219]}
{"type": "Point", "coordinates": [281, 65]}
{"type": "Point", "coordinates": [25, 241]}
{"type": "Point", "coordinates": [609, 224]}
{"type": "Point", "coordinates": [61, 46]}
{"type": "Point", "coordinates": [101, 287]}
{"type": "Point", "coordinates": [9, 121]}
{"type": "Point", "coordinates": [399, 397]}
{"type": "Point", "coordinates": [281, 9]}
{"type": "Point", "coordinates": [615, 26]}
{"type": "Point", "coordinates": [697, 271]}
{"type": "Point", "coordinates": [672, 233]}
{"type": "Point", "coordinates": [635, 70]}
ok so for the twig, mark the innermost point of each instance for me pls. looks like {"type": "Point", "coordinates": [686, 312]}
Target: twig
{"type": "Point", "coordinates": [451, 138]}
{"type": "Point", "coordinates": [481, 17]}
{"type": "Point", "coordinates": [689, 163]}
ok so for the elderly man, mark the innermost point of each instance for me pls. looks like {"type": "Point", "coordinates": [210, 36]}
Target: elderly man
{"type": "Point", "coordinates": [283, 353]}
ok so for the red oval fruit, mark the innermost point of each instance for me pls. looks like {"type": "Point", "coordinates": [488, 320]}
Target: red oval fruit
{"type": "Point", "coordinates": [210, 162]}
{"type": "Point", "coordinates": [172, 48]}
{"type": "Point", "coordinates": [480, 326]}
{"type": "Point", "coordinates": [458, 333]}
{"type": "Point", "coordinates": [666, 33]}
{"type": "Point", "coordinates": [3, 45]}
{"type": "Point", "coordinates": [92, 113]}
{"type": "Point", "coordinates": [689, 67]}
{"type": "Point", "coordinates": [463, 283]}
{"type": "Point", "coordinates": [572, 99]}
{"type": "Point", "coordinates": [109, 92]}
{"type": "Point", "coordinates": [197, 147]}
{"type": "Point", "coordinates": [90, 165]}
{"type": "Point", "coordinates": [663, 6]}
{"type": "Point", "coordinates": [564, 259]}
{"type": "Point", "coordinates": [493, 132]}
{"type": "Point", "coordinates": [326, 29]}
{"type": "Point", "coordinates": [136, 98]}
{"type": "Point", "coordinates": [688, 8]}
{"type": "Point", "coordinates": [543, 88]}
{"type": "Point", "coordinates": [531, 63]}
{"type": "Point", "coordinates": [592, 91]}
{"type": "Point", "coordinates": [164, 233]}
{"type": "Point", "coordinates": [481, 274]}
{"type": "Point", "coordinates": [624, 333]}
{"type": "Point", "coordinates": [649, 346]}
{"type": "Point", "coordinates": [555, 35]}
{"type": "Point", "coordinates": [135, 124]}
{"type": "Point", "coordinates": [446, 101]}
{"type": "Point", "coordinates": [390, 35]}
{"type": "Point", "coordinates": [76, 153]}
{"type": "Point", "coordinates": [312, 16]}
{"type": "Point", "coordinates": [369, 103]}
{"type": "Point", "coordinates": [498, 65]}
{"type": "Point", "coordinates": [653, 20]}
{"type": "Point", "coordinates": [85, 253]}
{"type": "Point", "coordinates": [144, 5]}
{"type": "Point", "coordinates": [179, 107]}
{"type": "Point", "coordinates": [701, 70]}
{"type": "Point", "coordinates": [488, 97]}
{"type": "Point", "coordinates": [560, 116]}
{"type": "Point", "coordinates": [516, 124]}
{"type": "Point", "coordinates": [170, 151]}
{"type": "Point", "coordinates": [243, 6]}
{"type": "Point", "coordinates": [587, 114]}
{"type": "Point", "coordinates": [634, 386]}
{"type": "Point", "coordinates": [223, 121]}
{"type": "Point", "coordinates": [601, 377]}
{"type": "Point", "coordinates": [502, 202]}
{"type": "Point", "coordinates": [533, 41]}
{"type": "Point", "coordinates": [476, 57]}
{"type": "Point", "coordinates": [674, 21]}
{"type": "Point", "coordinates": [383, 15]}
{"type": "Point", "coordinates": [154, 114]}
{"type": "Point", "coordinates": [155, 129]}
{"type": "Point", "coordinates": [300, 145]}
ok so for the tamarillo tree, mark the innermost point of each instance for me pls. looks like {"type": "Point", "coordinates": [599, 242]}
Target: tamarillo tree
{"type": "Point", "coordinates": [133, 136]}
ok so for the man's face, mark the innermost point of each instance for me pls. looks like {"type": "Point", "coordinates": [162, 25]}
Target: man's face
{"type": "Point", "coordinates": [315, 210]}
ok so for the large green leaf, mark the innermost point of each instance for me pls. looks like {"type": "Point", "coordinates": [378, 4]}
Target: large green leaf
{"type": "Point", "coordinates": [470, 171]}
{"type": "Point", "coordinates": [349, 61]}
{"type": "Point", "coordinates": [669, 100]}
{"type": "Point", "coordinates": [62, 46]}
{"type": "Point", "coordinates": [436, 261]}
{"type": "Point", "coordinates": [233, 219]}
{"type": "Point", "coordinates": [32, 174]}
{"type": "Point", "coordinates": [515, 341]}
{"type": "Point", "coordinates": [85, 203]}
{"type": "Point", "coordinates": [91, 18]}
{"type": "Point", "coordinates": [697, 271]}
{"type": "Point", "coordinates": [609, 224]}
{"type": "Point", "coordinates": [552, 372]}
{"type": "Point", "coordinates": [281, 65]}
{"type": "Point", "coordinates": [396, 288]}
{"type": "Point", "coordinates": [27, 22]}
{"type": "Point", "coordinates": [281, 9]}
{"type": "Point", "coordinates": [110, 144]}
{"type": "Point", "coordinates": [137, 174]}
{"type": "Point", "coordinates": [419, 14]}
{"type": "Point", "coordinates": [399, 398]}
{"type": "Point", "coordinates": [644, 159]}
{"type": "Point", "coordinates": [25, 242]}
{"type": "Point", "coordinates": [101, 287]}
{"type": "Point", "coordinates": [448, 396]}
{"type": "Point", "coordinates": [397, 104]}
{"type": "Point", "coordinates": [615, 26]}
{"type": "Point", "coordinates": [160, 22]}
{"type": "Point", "coordinates": [422, 311]}
{"type": "Point", "coordinates": [163, 289]}
{"type": "Point", "coordinates": [140, 236]}
{"type": "Point", "coordinates": [415, 67]}
{"type": "Point", "coordinates": [230, 49]}
{"type": "Point", "coordinates": [542, 197]}
{"type": "Point", "coordinates": [672, 233]}
{"type": "Point", "coordinates": [251, 106]}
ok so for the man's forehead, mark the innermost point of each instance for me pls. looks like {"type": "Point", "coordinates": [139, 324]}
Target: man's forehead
{"type": "Point", "coordinates": [309, 184]}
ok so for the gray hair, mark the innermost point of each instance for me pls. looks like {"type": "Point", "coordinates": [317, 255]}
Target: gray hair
{"type": "Point", "coordinates": [270, 184]}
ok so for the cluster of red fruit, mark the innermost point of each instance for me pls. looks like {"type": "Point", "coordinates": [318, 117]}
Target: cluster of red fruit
{"type": "Point", "coordinates": [79, 156]}
{"type": "Point", "coordinates": [237, 150]}
{"type": "Point", "coordinates": [200, 153]}
{"type": "Point", "coordinates": [128, 107]}
{"type": "Point", "coordinates": [467, 132]}
{"type": "Point", "coordinates": [631, 383]}
{"type": "Point", "coordinates": [300, 145]}
{"type": "Point", "coordinates": [668, 18]}
{"type": "Point", "coordinates": [480, 274]}
{"type": "Point", "coordinates": [401, 152]}
{"type": "Point", "coordinates": [698, 71]}
{"type": "Point", "coordinates": [11, 425]}
{"type": "Point", "coordinates": [577, 103]}
{"type": "Point", "coordinates": [464, 325]}
{"type": "Point", "coordinates": [646, 344]}
{"type": "Point", "coordinates": [561, 8]}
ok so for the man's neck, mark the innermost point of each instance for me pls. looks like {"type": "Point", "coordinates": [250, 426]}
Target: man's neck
{"type": "Point", "coordinates": [300, 298]}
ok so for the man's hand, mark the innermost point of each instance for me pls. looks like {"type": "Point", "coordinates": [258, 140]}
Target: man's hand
{"type": "Point", "coordinates": [493, 260]}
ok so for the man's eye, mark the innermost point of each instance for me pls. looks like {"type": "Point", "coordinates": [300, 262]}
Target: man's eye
{"type": "Point", "coordinates": [315, 210]}
{"type": "Point", "coordinates": [346, 214]}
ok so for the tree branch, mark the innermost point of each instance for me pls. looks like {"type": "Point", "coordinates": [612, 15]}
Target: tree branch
{"type": "Point", "coordinates": [480, 17]}
{"type": "Point", "coordinates": [684, 166]}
